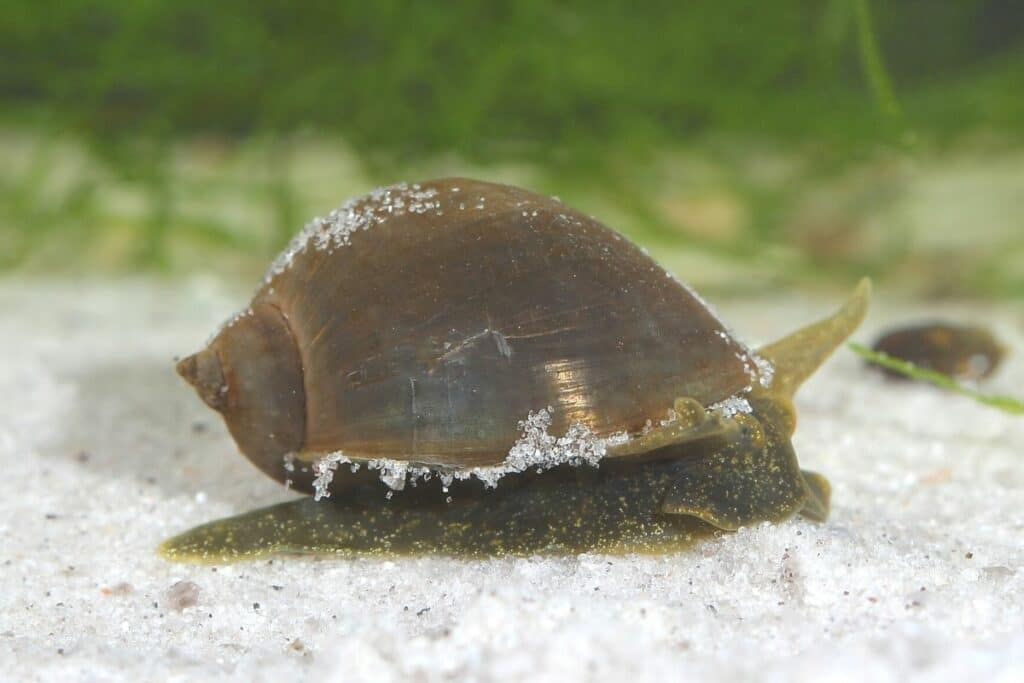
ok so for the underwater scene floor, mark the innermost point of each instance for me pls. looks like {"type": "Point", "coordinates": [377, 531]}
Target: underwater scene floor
{"type": "Point", "coordinates": [917, 575]}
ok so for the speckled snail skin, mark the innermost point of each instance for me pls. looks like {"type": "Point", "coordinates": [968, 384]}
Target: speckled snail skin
{"type": "Point", "coordinates": [469, 347]}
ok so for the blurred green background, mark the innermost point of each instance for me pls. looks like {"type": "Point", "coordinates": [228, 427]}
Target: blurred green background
{"type": "Point", "coordinates": [792, 142]}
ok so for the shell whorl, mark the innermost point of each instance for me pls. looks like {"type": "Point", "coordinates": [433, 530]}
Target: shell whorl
{"type": "Point", "coordinates": [251, 373]}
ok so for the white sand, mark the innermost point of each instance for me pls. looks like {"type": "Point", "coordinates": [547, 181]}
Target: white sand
{"type": "Point", "coordinates": [105, 452]}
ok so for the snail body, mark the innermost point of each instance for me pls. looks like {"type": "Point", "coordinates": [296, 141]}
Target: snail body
{"type": "Point", "coordinates": [479, 342]}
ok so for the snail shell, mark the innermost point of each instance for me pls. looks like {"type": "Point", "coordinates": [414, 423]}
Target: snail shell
{"type": "Point", "coordinates": [966, 352]}
{"type": "Point", "coordinates": [424, 322]}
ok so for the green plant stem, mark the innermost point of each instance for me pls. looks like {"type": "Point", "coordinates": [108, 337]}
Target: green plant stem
{"type": "Point", "coordinates": [874, 65]}
{"type": "Point", "coordinates": [1007, 404]}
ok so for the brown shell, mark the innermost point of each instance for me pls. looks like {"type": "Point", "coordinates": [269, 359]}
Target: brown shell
{"type": "Point", "coordinates": [431, 319]}
{"type": "Point", "coordinates": [965, 352]}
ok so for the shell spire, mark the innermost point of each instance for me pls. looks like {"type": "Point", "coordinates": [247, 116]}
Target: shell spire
{"type": "Point", "coordinates": [798, 355]}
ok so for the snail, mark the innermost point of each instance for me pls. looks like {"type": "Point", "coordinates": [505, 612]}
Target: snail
{"type": "Point", "coordinates": [467, 367]}
{"type": "Point", "coordinates": [964, 352]}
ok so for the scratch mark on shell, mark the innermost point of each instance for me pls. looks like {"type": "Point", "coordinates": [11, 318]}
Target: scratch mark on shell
{"type": "Point", "coordinates": [415, 417]}
{"type": "Point", "coordinates": [501, 341]}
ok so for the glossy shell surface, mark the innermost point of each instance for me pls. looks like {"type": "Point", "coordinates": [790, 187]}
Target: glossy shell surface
{"type": "Point", "coordinates": [431, 319]}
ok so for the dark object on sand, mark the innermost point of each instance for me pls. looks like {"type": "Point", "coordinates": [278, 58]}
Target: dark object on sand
{"type": "Point", "coordinates": [963, 352]}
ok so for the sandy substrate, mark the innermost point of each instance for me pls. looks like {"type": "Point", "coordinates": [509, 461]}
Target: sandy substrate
{"type": "Point", "coordinates": [917, 576]}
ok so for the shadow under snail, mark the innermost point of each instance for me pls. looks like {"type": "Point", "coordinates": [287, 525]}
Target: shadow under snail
{"type": "Point", "coordinates": [474, 369]}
